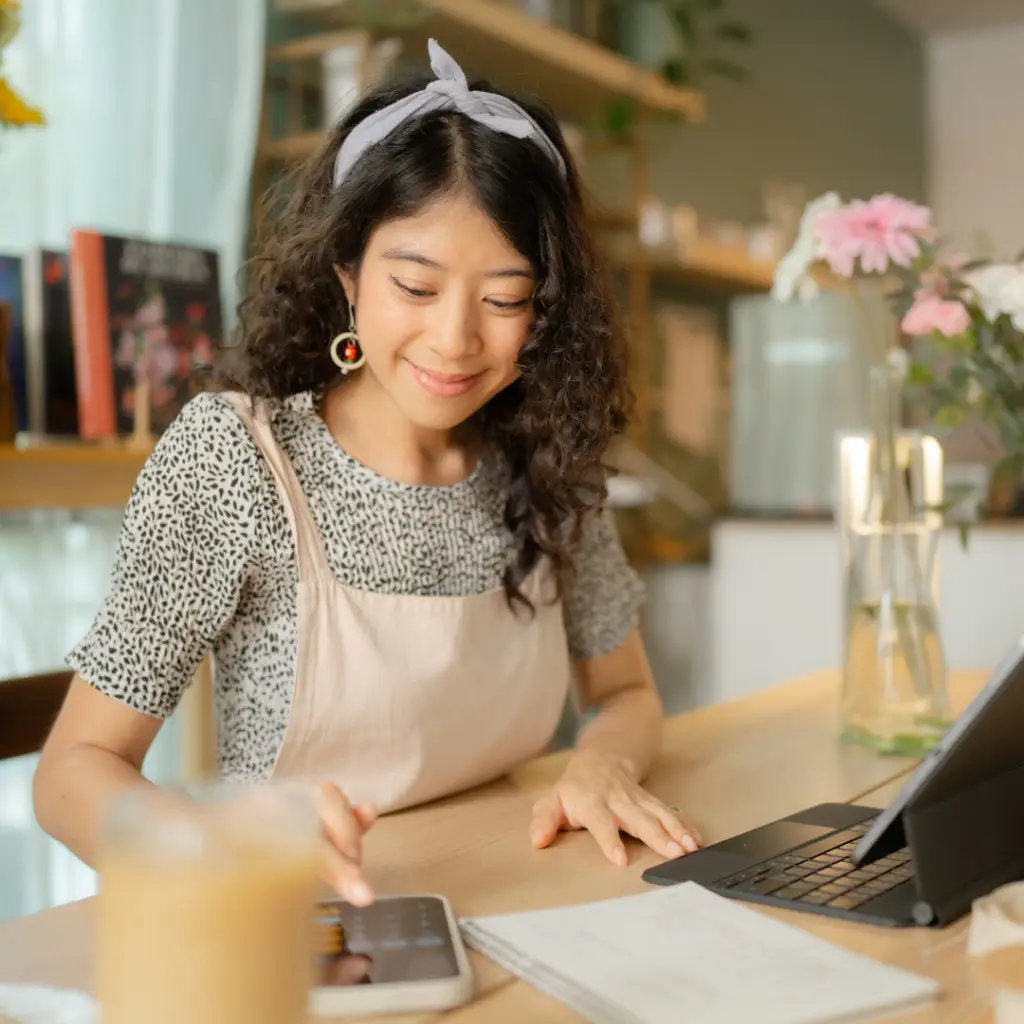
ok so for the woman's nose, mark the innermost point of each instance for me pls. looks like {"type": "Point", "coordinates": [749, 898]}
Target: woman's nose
{"type": "Point", "coordinates": [455, 333]}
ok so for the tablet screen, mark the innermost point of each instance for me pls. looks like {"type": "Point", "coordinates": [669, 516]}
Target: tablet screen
{"type": "Point", "coordinates": [396, 939]}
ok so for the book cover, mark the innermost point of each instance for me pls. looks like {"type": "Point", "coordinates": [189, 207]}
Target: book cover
{"type": "Point", "coordinates": [141, 311]}
{"type": "Point", "coordinates": [50, 356]}
{"type": "Point", "coordinates": [11, 294]}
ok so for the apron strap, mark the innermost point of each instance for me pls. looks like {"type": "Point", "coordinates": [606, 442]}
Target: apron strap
{"type": "Point", "coordinates": [309, 548]}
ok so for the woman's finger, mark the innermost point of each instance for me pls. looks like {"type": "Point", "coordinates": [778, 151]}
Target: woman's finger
{"type": "Point", "coordinates": [547, 820]}
{"type": "Point", "coordinates": [687, 836]}
{"type": "Point", "coordinates": [345, 876]}
{"type": "Point", "coordinates": [598, 821]}
{"type": "Point", "coordinates": [366, 815]}
{"type": "Point", "coordinates": [647, 827]}
{"type": "Point", "coordinates": [340, 824]}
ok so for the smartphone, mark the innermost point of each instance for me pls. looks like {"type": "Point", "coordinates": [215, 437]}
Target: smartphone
{"type": "Point", "coordinates": [402, 953]}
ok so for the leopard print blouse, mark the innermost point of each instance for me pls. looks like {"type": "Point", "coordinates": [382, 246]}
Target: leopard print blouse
{"type": "Point", "coordinates": [206, 560]}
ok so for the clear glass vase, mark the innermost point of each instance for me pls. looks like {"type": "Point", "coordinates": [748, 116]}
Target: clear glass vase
{"type": "Point", "coordinates": [894, 689]}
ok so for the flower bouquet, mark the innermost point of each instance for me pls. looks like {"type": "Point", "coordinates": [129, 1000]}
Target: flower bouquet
{"type": "Point", "coordinates": [13, 109]}
{"type": "Point", "coordinates": [968, 322]}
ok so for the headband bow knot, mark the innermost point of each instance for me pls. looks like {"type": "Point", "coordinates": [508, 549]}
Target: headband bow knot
{"type": "Point", "coordinates": [450, 91]}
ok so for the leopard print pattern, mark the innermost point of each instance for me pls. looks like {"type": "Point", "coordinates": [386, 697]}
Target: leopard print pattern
{"type": "Point", "coordinates": [206, 561]}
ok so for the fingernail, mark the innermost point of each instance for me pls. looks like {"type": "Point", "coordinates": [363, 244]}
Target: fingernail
{"type": "Point", "coordinates": [536, 836]}
{"type": "Point", "coordinates": [690, 843]}
{"type": "Point", "coordinates": [361, 893]}
{"type": "Point", "coordinates": [673, 848]}
{"type": "Point", "coordinates": [619, 856]}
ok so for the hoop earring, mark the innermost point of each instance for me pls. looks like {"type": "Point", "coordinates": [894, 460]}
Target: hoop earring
{"type": "Point", "coordinates": [346, 352]}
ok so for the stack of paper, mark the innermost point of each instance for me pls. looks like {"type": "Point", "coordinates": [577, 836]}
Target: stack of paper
{"type": "Point", "coordinates": [685, 954]}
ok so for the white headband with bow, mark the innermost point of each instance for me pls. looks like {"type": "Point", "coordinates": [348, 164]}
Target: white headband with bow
{"type": "Point", "coordinates": [450, 92]}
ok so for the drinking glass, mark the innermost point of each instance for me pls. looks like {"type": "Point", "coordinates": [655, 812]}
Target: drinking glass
{"type": "Point", "coordinates": [205, 913]}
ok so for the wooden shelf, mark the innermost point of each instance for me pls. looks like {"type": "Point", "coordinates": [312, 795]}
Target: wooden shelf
{"type": "Point", "coordinates": [68, 475]}
{"type": "Point", "coordinates": [309, 47]}
{"type": "Point", "coordinates": [572, 74]}
{"type": "Point", "coordinates": [705, 263]}
{"type": "Point", "coordinates": [291, 148]}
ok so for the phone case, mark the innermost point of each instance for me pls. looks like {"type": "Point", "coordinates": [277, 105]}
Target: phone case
{"type": "Point", "coordinates": [354, 996]}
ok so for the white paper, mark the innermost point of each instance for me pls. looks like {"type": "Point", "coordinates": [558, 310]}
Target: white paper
{"type": "Point", "coordinates": [683, 953]}
{"type": "Point", "coordinates": [37, 1004]}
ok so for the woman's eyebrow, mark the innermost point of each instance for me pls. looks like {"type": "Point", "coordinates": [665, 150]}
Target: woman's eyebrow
{"type": "Point", "coordinates": [409, 256]}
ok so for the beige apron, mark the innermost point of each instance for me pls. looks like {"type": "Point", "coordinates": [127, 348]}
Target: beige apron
{"type": "Point", "coordinates": [400, 699]}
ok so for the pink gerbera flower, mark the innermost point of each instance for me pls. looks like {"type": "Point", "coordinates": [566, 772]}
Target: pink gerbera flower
{"type": "Point", "coordinates": [883, 229]}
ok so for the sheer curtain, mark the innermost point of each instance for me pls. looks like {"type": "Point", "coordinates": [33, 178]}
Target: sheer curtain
{"type": "Point", "coordinates": [152, 109]}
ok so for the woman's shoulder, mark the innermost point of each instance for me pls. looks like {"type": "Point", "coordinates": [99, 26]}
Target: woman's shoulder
{"type": "Point", "coordinates": [207, 451]}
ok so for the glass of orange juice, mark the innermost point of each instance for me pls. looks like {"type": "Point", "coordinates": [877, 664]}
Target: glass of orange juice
{"type": "Point", "coordinates": [205, 912]}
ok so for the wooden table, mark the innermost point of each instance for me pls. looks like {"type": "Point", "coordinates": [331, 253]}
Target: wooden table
{"type": "Point", "coordinates": [730, 767]}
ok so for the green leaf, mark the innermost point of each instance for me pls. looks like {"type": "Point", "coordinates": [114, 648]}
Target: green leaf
{"type": "Point", "coordinates": [733, 32]}
{"type": "Point", "coordinates": [919, 376]}
{"type": "Point", "coordinates": [963, 531]}
{"type": "Point", "coordinates": [675, 71]}
{"type": "Point", "coordinates": [685, 25]}
{"type": "Point", "coordinates": [1010, 434]}
{"type": "Point", "coordinates": [959, 377]}
{"type": "Point", "coordinates": [619, 116]}
{"type": "Point", "coordinates": [726, 69]}
{"type": "Point", "coordinates": [950, 417]}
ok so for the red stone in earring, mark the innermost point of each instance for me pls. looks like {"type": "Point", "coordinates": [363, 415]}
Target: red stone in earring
{"type": "Point", "coordinates": [350, 357]}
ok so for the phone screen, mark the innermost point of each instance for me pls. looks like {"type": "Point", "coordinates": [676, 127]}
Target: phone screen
{"type": "Point", "coordinates": [396, 939]}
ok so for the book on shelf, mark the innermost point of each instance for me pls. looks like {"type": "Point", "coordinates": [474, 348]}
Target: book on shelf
{"type": "Point", "coordinates": [146, 317]}
{"type": "Point", "coordinates": [52, 398]}
{"type": "Point", "coordinates": [11, 295]}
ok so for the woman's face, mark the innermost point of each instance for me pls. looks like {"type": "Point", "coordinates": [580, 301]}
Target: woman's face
{"type": "Point", "coordinates": [443, 305]}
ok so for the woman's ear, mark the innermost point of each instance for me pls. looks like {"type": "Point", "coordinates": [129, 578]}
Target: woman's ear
{"type": "Point", "coordinates": [347, 282]}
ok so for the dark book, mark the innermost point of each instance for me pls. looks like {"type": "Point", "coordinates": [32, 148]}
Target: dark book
{"type": "Point", "coordinates": [12, 295]}
{"type": "Point", "coordinates": [53, 400]}
{"type": "Point", "coordinates": [143, 313]}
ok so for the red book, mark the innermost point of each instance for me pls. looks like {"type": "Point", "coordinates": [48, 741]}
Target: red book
{"type": "Point", "coordinates": [140, 311]}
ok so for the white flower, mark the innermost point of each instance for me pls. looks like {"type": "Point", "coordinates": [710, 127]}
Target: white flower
{"type": "Point", "coordinates": [791, 274]}
{"type": "Point", "coordinates": [999, 289]}
{"type": "Point", "coordinates": [898, 360]}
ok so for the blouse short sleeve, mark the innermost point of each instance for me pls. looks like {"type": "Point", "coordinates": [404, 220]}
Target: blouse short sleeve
{"type": "Point", "coordinates": [603, 594]}
{"type": "Point", "coordinates": [180, 563]}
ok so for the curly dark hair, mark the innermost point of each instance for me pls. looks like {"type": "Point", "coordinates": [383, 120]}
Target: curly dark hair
{"type": "Point", "coordinates": [554, 423]}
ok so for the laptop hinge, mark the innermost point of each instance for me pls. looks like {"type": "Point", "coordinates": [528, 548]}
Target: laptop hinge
{"type": "Point", "coordinates": [966, 844]}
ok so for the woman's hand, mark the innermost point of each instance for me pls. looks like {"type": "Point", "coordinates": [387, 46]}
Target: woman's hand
{"type": "Point", "coordinates": [600, 793]}
{"type": "Point", "coordinates": [344, 827]}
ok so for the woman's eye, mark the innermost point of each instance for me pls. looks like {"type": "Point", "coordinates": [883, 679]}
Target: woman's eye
{"type": "Point", "coordinates": [509, 306]}
{"type": "Point", "coordinates": [416, 293]}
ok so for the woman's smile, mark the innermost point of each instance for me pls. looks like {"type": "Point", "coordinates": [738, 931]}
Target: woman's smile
{"type": "Point", "coordinates": [443, 385]}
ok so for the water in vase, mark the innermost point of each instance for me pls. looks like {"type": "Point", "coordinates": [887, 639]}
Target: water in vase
{"type": "Point", "coordinates": [894, 693]}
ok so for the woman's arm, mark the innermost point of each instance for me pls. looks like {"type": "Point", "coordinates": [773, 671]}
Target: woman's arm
{"type": "Point", "coordinates": [600, 788]}
{"type": "Point", "coordinates": [94, 753]}
{"type": "Point", "coordinates": [628, 722]}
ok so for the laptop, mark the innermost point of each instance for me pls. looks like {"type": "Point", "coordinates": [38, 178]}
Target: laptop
{"type": "Point", "coordinates": [954, 832]}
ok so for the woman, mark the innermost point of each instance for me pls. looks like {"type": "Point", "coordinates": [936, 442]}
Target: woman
{"type": "Point", "coordinates": [389, 531]}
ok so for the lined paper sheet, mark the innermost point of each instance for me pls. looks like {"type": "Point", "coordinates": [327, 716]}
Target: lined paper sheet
{"type": "Point", "coordinates": [683, 953]}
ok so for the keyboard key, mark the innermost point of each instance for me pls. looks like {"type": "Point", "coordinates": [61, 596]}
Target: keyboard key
{"type": "Point", "coordinates": [815, 898]}
{"type": "Point", "coordinates": [845, 902]}
{"type": "Point", "coordinates": [766, 886]}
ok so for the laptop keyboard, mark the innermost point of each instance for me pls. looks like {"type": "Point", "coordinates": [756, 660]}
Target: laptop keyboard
{"type": "Point", "coordinates": [822, 874]}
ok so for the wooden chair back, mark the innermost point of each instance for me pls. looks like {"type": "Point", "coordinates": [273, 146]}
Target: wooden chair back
{"type": "Point", "coordinates": [28, 709]}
